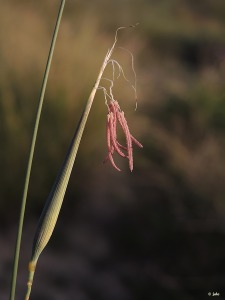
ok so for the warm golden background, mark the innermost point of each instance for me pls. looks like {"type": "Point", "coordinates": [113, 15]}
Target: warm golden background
{"type": "Point", "coordinates": [157, 233]}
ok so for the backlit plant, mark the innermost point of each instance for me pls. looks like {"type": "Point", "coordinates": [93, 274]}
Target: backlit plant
{"type": "Point", "coordinates": [115, 118]}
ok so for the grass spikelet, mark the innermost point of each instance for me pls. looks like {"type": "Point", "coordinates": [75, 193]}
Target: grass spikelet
{"type": "Point", "coordinates": [53, 204]}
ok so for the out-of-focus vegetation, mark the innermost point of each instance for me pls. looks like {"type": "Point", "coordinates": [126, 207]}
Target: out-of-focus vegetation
{"type": "Point", "coordinates": [159, 232]}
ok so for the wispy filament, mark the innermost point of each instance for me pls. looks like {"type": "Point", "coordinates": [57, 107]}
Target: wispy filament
{"type": "Point", "coordinates": [114, 117]}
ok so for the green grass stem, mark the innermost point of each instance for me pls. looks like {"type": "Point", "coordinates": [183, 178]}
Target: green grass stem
{"type": "Point", "coordinates": [31, 154]}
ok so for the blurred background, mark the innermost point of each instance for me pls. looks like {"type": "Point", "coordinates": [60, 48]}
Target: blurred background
{"type": "Point", "coordinates": [158, 232]}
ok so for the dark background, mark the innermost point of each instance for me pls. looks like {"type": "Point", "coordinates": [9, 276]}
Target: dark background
{"type": "Point", "coordinates": [158, 232]}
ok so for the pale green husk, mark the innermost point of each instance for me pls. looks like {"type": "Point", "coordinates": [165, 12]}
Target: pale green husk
{"type": "Point", "coordinates": [53, 204]}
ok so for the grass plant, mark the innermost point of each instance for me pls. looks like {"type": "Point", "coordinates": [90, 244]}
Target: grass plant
{"type": "Point", "coordinates": [180, 62]}
{"type": "Point", "coordinates": [53, 204]}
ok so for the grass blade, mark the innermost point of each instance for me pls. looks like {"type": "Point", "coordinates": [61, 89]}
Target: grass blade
{"type": "Point", "coordinates": [31, 154]}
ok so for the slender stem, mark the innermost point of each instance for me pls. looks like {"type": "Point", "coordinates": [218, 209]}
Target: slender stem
{"type": "Point", "coordinates": [29, 165]}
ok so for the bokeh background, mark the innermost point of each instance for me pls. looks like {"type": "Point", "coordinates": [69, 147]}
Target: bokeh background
{"type": "Point", "coordinates": [159, 232]}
